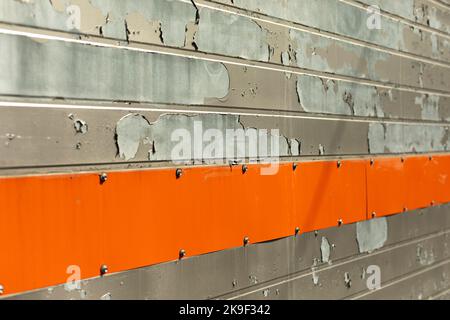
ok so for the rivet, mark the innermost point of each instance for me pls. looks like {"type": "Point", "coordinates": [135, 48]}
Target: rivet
{"type": "Point", "coordinates": [374, 214]}
{"type": "Point", "coordinates": [297, 230]}
{"type": "Point", "coordinates": [244, 168]}
{"type": "Point", "coordinates": [402, 159]}
{"type": "Point", "coordinates": [405, 209]}
{"type": "Point", "coordinates": [432, 202]}
{"type": "Point", "coordinates": [430, 158]}
{"type": "Point", "coordinates": [179, 173]}
{"type": "Point", "coordinates": [340, 222]}
{"type": "Point", "coordinates": [103, 177]}
{"type": "Point", "coordinates": [372, 162]}
{"type": "Point", "coordinates": [182, 254]}
{"type": "Point", "coordinates": [246, 241]}
{"type": "Point", "coordinates": [294, 166]}
{"type": "Point", "coordinates": [103, 269]}
{"type": "Point", "coordinates": [339, 164]}
{"type": "Point", "coordinates": [2, 289]}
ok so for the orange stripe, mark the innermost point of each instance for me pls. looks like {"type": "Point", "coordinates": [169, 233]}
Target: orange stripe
{"type": "Point", "coordinates": [139, 218]}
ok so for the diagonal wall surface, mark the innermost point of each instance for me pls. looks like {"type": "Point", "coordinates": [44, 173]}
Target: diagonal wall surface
{"type": "Point", "coordinates": [96, 98]}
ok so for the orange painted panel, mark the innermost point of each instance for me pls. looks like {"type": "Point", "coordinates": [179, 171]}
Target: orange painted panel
{"type": "Point", "coordinates": [139, 218]}
{"type": "Point", "coordinates": [386, 187]}
{"type": "Point", "coordinates": [438, 179]}
{"type": "Point", "coordinates": [326, 194]}
{"type": "Point", "coordinates": [421, 181]}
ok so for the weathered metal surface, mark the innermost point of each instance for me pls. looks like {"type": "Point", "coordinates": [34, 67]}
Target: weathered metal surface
{"type": "Point", "coordinates": [286, 268]}
{"type": "Point", "coordinates": [28, 140]}
{"type": "Point", "coordinates": [58, 69]}
{"type": "Point", "coordinates": [343, 18]}
{"type": "Point", "coordinates": [140, 20]}
{"type": "Point", "coordinates": [423, 12]}
{"type": "Point", "coordinates": [96, 85]}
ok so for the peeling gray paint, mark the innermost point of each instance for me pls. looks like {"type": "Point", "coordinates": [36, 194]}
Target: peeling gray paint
{"type": "Point", "coordinates": [425, 257]}
{"type": "Point", "coordinates": [130, 131]}
{"type": "Point", "coordinates": [196, 134]}
{"type": "Point", "coordinates": [315, 277]}
{"type": "Point", "coordinates": [400, 138]}
{"type": "Point", "coordinates": [69, 70]}
{"type": "Point", "coordinates": [325, 250]}
{"type": "Point", "coordinates": [347, 280]}
{"type": "Point", "coordinates": [103, 17]}
{"type": "Point", "coordinates": [327, 55]}
{"type": "Point", "coordinates": [404, 8]}
{"type": "Point", "coordinates": [80, 126]}
{"type": "Point", "coordinates": [231, 35]}
{"type": "Point", "coordinates": [371, 234]}
{"type": "Point", "coordinates": [338, 97]}
{"type": "Point", "coordinates": [429, 106]}
{"type": "Point", "coordinates": [345, 19]}
{"type": "Point", "coordinates": [173, 15]}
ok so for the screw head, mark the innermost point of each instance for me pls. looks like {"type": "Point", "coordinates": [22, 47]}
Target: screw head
{"type": "Point", "coordinates": [2, 289]}
{"type": "Point", "coordinates": [244, 168]}
{"type": "Point", "coordinates": [405, 209]}
{"type": "Point", "coordinates": [374, 214]}
{"type": "Point", "coordinates": [339, 163]}
{"type": "Point", "coordinates": [103, 177]}
{"type": "Point", "coordinates": [340, 222]}
{"type": "Point", "coordinates": [430, 158]}
{"type": "Point", "coordinates": [103, 269]}
{"type": "Point", "coordinates": [402, 159]}
{"type": "Point", "coordinates": [294, 166]}
{"type": "Point", "coordinates": [372, 162]}
{"type": "Point", "coordinates": [297, 230]}
{"type": "Point", "coordinates": [182, 254]}
{"type": "Point", "coordinates": [432, 203]}
{"type": "Point", "coordinates": [246, 241]}
{"type": "Point", "coordinates": [178, 173]}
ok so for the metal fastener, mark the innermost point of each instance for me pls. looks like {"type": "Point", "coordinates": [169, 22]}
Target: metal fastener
{"type": "Point", "coordinates": [374, 214]}
{"type": "Point", "coordinates": [339, 164]}
{"type": "Point", "coordinates": [294, 166]}
{"type": "Point", "coordinates": [179, 173]}
{"type": "Point", "coordinates": [2, 289]}
{"type": "Point", "coordinates": [103, 269]}
{"type": "Point", "coordinates": [297, 230]}
{"type": "Point", "coordinates": [372, 162]}
{"type": "Point", "coordinates": [103, 177]}
{"type": "Point", "coordinates": [340, 222]}
{"type": "Point", "coordinates": [246, 241]}
{"type": "Point", "coordinates": [244, 168]}
{"type": "Point", "coordinates": [182, 254]}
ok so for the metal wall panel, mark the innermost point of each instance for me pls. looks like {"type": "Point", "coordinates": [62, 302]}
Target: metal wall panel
{"type": "Point", "coordinates": [413, 260]}
{"type": "Point", "coordinates": [102, 85]}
